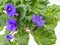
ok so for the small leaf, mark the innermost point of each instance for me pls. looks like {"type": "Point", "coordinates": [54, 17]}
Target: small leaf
{"type": "Point", "coordinates": [22, 39]}
{"type": "Point", "coordinates": [3, 41]}
{"type": "Point", "coordinates": [3, 18]}
{"type": "Point", "coordinates": [22, 9]}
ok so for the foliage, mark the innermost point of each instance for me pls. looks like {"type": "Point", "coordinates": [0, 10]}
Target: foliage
{"type": "Point", "coordinates": [26, 8]}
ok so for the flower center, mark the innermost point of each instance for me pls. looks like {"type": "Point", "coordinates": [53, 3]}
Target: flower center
{"type": "Point", "coordinates": [8, 37]}
{"type": "Point", "coordinates": [38, 20]}
{"type": "Point", "coordinates": [12, 24]}
{"type": "Point", "coordinates": [9, 9]}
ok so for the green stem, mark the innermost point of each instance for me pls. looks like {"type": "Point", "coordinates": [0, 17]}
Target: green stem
{"type": "Point", "coordinates": [34, 4]}
{"type": "Point", "coordinates": [33, 27]}
{"type": "Point", "coordinates": [22, 1]}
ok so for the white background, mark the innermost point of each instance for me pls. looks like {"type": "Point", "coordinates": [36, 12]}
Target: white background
{"type": "Point", "coordinates": [57, 28]}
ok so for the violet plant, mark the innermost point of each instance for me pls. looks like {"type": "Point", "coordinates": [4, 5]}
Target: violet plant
{"type": "Point", "coordinates": [10, 9]}
{"type": "Point", "coordinates": [28, 16]}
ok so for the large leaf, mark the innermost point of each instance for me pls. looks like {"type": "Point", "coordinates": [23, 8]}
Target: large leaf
{"type": "Point", "coordinates": [44, 36]}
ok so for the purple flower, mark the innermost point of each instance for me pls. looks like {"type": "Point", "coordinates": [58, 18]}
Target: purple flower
{"type": "Point", "coordinates": [11, 24]}
{"type": "Point", "coordinates": [9, 37]}
{"type": "Point", "coordinates": [10, 9]}
{"type": "Point", "coordinates": [38, 20]}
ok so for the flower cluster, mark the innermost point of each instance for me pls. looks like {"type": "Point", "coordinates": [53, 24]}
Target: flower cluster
{"type": "Point", "coordinates": [38, 20]}
{"type": "Point", "coordinates": [11, 23]}
{"type": "Point", "coordinates": [10, 9]}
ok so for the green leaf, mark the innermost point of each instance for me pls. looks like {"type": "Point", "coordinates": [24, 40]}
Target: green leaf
{"type": "Point", "coordinates": [51, 14]}
{"type": "Point", "coordinates": [22, 39]}
{"type": "Point", "coordinates": [22, 9]}
{"type": "Point", "coordinates": [3, 18]}
{"type": "Point", "coordinates": [44, 36]}
{"type": "Point", "coordinates": [37, 5]}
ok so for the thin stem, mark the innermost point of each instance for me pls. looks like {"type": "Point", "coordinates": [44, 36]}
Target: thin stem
{"type": "Point", "coordinates": [22, 1]}
{"type": "Point", "coordinates": [33, 27]}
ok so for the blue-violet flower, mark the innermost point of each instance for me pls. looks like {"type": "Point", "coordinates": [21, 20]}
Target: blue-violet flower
{"type": "Point", "coordinates": [10, 9]}
{"type": "Point", "coordinates": [9, 37]}
{"type": "Point", "coordinates": [38, 20]}
{"type": "Point", "coordinates": [11, 24]}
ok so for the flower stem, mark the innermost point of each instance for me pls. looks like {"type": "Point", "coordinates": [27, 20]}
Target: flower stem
{"type": "Point", "coordinates": [22, 1]}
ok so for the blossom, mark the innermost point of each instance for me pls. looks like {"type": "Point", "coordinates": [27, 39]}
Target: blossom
{"type": "Point", "coordinates": [38, 20]}
{"type": "Point", "coordinates": [9, 37]}
{"type": "Point", "coordinates": [10, 9]}
{"type": "Point", "coordinates": [11, 24]}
